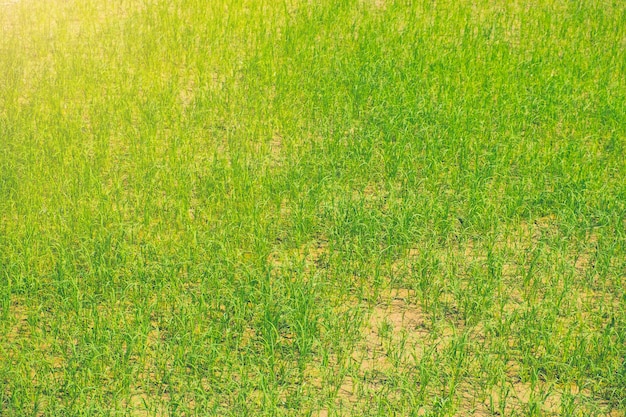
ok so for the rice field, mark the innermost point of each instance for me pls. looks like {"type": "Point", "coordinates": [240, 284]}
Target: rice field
{"type": "Point", "coordinates": [313, 208]}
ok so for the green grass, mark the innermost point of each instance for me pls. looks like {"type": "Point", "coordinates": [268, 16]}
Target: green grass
{"type": "Point", "coordinates": [322, 208]}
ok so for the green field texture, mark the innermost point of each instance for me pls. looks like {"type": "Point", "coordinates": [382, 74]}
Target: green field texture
{"type": "Point", "coordinates": [312, 208]}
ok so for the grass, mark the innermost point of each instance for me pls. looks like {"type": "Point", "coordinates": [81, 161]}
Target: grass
{"type": "Point", "coordinates": [328, 208]}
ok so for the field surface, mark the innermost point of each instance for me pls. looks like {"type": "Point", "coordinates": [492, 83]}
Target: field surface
{"type": "Point", "coordinates": [312, 208]}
